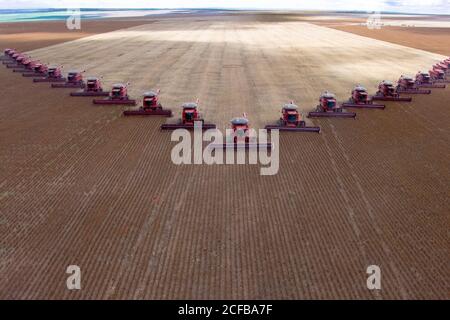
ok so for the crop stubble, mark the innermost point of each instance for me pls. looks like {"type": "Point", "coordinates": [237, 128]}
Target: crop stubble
{"type": "Point", "coordinates": [83, 185]}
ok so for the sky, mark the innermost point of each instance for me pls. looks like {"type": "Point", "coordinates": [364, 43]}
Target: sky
{"type": "Point", "coordinates": [414, 6]}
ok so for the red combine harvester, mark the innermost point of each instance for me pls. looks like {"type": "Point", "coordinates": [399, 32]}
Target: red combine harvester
{"type": "Point", "coordinates": [13, 58]}
{"type": "Point", "coordinates": [53, 75]}
{"type": "Point", "coordinates": [388, 92]}
{"type": "Point", "coordinates": [27, 65]}
{"type": "Point", "coordinates": [189, 118]}
{"type": "Point", "coordinates": [241, 138]}
{"type": "Point", "coordinates": [10, 57]}
{"type": "Point", "coordinates": [118, 95]}
{"type": "Point", "coordinates": [291, 120]}
{"type": "Point", "coordinates": [150, 106]}
{"type": "Point", "coordinates": [7, 54]}
{"type": "Point", "coordinates": [360, 99]}
{"type": "Point", "coordinates": [444, 66]}
{"type": "Point", "coordinates": [328, 107]}
{"type": "Point", "coordinates": [438, 75]}
{"type": "Point", "coordinates": [93, 88]}
{"type": "Point", "coordinates": [74, 80]}
{"type": "Point", "coordinates": [423, 80]}
{"type": "Point", "coordinates": [38, 70]}
{"type": "Point", "coordinates": [18, 61]}
{"type": "Point", "coordinates": [407, 85]}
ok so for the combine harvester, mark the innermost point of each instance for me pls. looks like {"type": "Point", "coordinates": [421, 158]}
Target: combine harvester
{"type": "Point", "coordinates": [118, 95]}
{"type": "Point", "coordinates": [7, 54]}
{"type": "Point", "coordinates": [27, 66]}
{"type": "Point", "coordinates": [406, 84]}
{"type": "Point", "coordinates": [13, 59]}
{"type": "Point", "coordinates": [241, 137]}
{"type": "Point", "coordinates": [93, 88]}
{"type": "Point", "coordinates": [291, 120]}
{"type": "Point", "coordinates": [360, 99]}
{"type": "Point", "coordinates": [423, 80]}
{"type": "Point", "coordinates": [150, 106]}
{"type": "Point", "coordinates": [38, 70]}
{"type": "Point", "coordinates": [444, 65]}
{"type": "Point", "coordinates": [17, 61]}
{"type": "Point", "coordinates": [53, 75]}
{"type": "Point", "coordinates": [74, 80]}
{"type": "Point", "coordinates": [190, 117]}
{"type": "Point", "coordinates": [388, 92]}
{"type": "Point", "coordinates": [438, 75]}
{"type": "Point", "coordinates": [328, 107]}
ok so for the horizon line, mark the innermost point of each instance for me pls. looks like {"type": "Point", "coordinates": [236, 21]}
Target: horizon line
{"type": "Point", "coordinates": [232, 9]}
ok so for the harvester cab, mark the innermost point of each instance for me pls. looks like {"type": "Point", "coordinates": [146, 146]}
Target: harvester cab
{"type": "Point", "coordinates": [190, 113]}
{"type": "Point", "coordinates": [423, 78]}
{"type": "Point", "coordinates": [327, 102]}
{"type": "Point", "coordinates": [119, 91]}
{"type": "Point", "coordinates": [240, 129]}
{"type": "Point", "coordinates": [54, 72]}
{"type": "Point", "coordinates": [75, 76]}
{"type": "Point", "coordinates": [151, 100]}
{"type": "Point", "coordinates": [359, 95]}
{"type": "Point", "coordinates": [290, 117]}
{"type": "Point", "coordinates": [406, 82]}
{"type": "Point", "coordinates": [41, 68]}
{"type": "Point", "coordinates": [93, 84]}
{"type": "Point", "coordinates": [387, 88]}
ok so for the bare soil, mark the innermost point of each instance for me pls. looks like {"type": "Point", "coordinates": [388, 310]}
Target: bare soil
{"type": "Point", "coordinates": [83, 185]}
